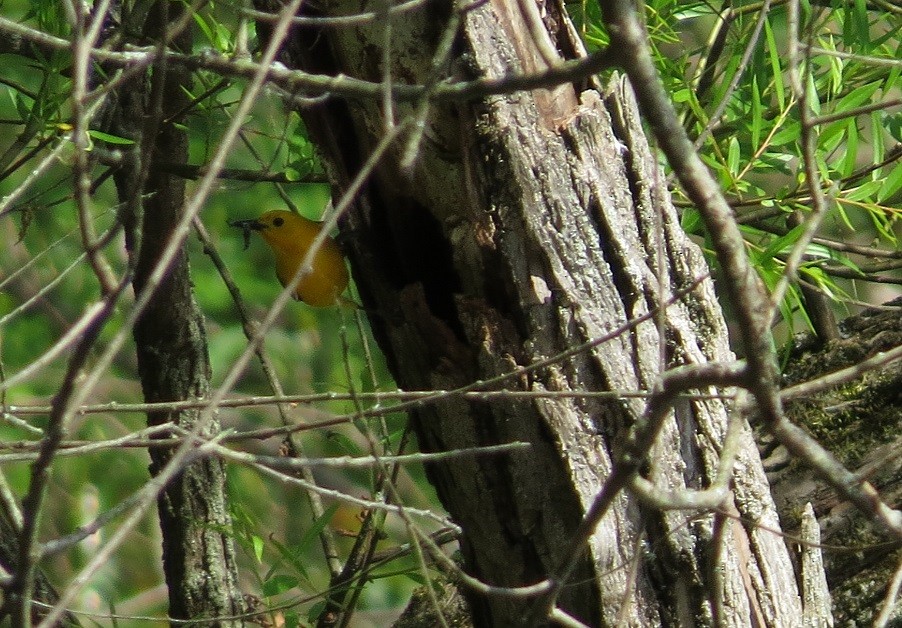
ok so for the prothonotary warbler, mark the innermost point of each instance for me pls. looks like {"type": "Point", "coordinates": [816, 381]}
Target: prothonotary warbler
{"type": "Point", "coordinates": [290, 236]}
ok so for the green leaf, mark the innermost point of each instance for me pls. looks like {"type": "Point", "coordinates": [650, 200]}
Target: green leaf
{"type": "Point", "coordinates": [793, 303]}
{"type": "Point", "coordinates": [836, 73]}
{"type": "Point", "coordinates": [757, 112]}
{"type": "Point", "coordinates": [805, 11]}
{"type": "Point", "coordinates": [258, 546]}
{"type": "Point", "coordinates": [776, 71]}
{"type": "Point", "coordinates": [864, 192]}
{"type": "Point", "coordinates": [688, 10]}
{"type": "Point", "coordinates": [813, 98]}
{"type": "Point", "coordinates": [861, 24]}
{"type": "Point", "coordinates": [891, 183]}
{"type": "Point", "coordinates": [313, 531]}
{"type": "Point", "coordinates": [819, 251]}
{"type": "Point", "coordinates": [691, 221]}
{"type": "Point", "coordinates": [22, 108]}
{"type": "Point", "coordinates": [681, 95]}
{"type": "Point", "coordinates": [292, 556]}
{"type": "Point", "coordinates": [315, 611]}
{"type": "Point", "coordinates": [344, 443]}
{"type": "Point", "coordinates": [202, 24]}
{"type": "Point", "coordinates": [851, 149]}
{"type": "Point", "coordinates": [877, 139]}
{"type": "Point", "coordinates": [296, 555]}
{"type": "Point", "coordinates": [831, 136]}
{"type": "Point", "coordinates": [416, 576]}
{"type": "Point", "coordinates": [844, 216]}
{"type": "Point", "coordinates": [109, 139]}
{"type": "Point", "coordinates": [892, 77]}
{"type": "Point", "coordinates": [848, 263]}
{"type": "Point", "coordinates": [733, 156]}
{"type": "Point", "coordinates": [223, 38]}
{"type": "Point", "coordinates": [789, 134]}
{"type": "Point", "coordinates": [818, 277]}
{"type": "Point", "coordinates": [290, 619]}
{"type": "Point", "coordinates": [893, 125]}
{"type": "Point", "coordinates": [783, 244]}
{"type": "Point", "coordinates": [857, 97]}
{"type": "Point", "coordinates": [778, 162]}
{"type": "Point", "coordinates": [883, 223]}
{"type": "Point", "coordinates": [279, 584]}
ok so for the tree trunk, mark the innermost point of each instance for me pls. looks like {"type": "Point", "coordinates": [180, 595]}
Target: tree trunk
{"type": "Point", "coordinates": [529, 224]}
{"type": "Point", "coordinates": [859, 422]}
{"type": "Point", "coordinates": [198, 556]}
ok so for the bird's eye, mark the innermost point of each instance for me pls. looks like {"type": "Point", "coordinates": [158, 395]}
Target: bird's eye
{"type": "Point", "coordinates": [278, 222]}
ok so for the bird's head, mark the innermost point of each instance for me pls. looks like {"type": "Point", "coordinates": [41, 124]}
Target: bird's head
{"type": "Point", "coordinates": [276, 227]}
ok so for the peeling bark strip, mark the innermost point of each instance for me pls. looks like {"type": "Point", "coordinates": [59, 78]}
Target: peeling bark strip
{"type": "Point", "coordinates": [532, 223]}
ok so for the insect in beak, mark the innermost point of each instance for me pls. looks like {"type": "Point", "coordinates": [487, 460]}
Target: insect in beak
{"type": "Point", "coordinates": [247, 226]}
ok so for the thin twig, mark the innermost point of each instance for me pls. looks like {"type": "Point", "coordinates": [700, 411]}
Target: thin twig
{"type": "Point", "coordinates": [889, 600]}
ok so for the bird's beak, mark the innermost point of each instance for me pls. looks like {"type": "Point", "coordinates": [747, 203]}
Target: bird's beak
{"type": "Point", "coordinates": [247, 226]}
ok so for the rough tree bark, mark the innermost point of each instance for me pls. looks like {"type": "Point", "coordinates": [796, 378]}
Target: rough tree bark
{"type": "Point", "coordinates": [529, 224]}
{"type": "Point", "coordinates": [859, 422]}
{"type": "Point", "coordinates": [170, 338]}
{"type": "Point", "coordinates": [43, 590]}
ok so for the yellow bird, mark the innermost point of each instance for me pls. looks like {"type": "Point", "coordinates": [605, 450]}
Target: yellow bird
{"type": "Point", "coordinates": [290, 236]}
